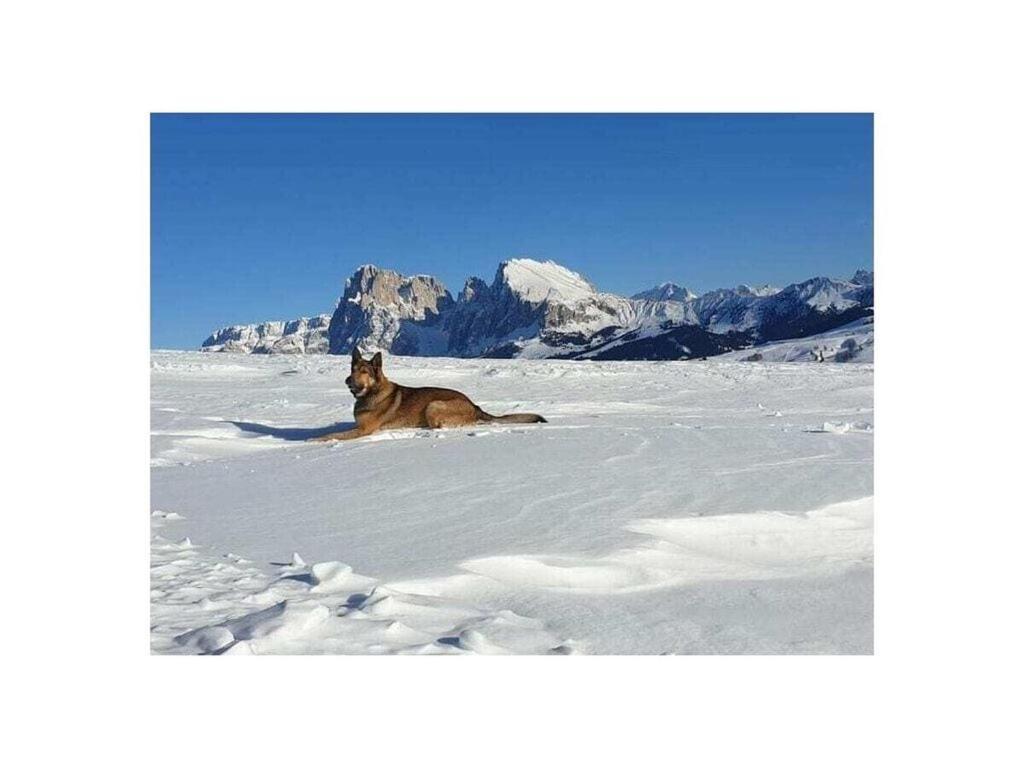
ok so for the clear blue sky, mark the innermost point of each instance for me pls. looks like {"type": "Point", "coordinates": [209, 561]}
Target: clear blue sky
{"type": "Point", "coordinates": [262, 217]}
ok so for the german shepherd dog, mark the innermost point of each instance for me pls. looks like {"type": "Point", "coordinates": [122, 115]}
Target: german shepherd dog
{"type": "Point", "coordinates": [382, 404]}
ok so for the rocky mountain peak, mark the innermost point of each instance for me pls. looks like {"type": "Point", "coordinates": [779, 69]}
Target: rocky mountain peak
{"type": "Point", "coordinates": [863, 277]}
{"type": "Point", "coordinates": [756, 290]}
{"type": "Point", "coordinates": [666, 292]}
{"type": "Point", "coordinates": [413, 297]}
{"type": "Point", "coordinates": [537, 281]}
{"type": "Point", "coordinates": [474, 288]}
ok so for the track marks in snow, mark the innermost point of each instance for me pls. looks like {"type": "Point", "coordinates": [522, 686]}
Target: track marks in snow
{"type": "Point", "coordinates": [202, 604]}
{"type": "Point", "coordinates": [775, 464]}
{"type": "Point", "coordinates": [842, 427]}
{"type": "Point", "coordinates": [634, 453]}
{"type": "Point", "coordinates": [752, 546]}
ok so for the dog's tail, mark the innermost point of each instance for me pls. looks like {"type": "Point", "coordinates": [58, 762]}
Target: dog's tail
{"type": "Point", "coordinates": [512, 418]}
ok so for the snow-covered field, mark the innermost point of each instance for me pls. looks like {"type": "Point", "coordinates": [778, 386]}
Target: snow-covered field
{"type": "Point", "coordinates": [676, 507]}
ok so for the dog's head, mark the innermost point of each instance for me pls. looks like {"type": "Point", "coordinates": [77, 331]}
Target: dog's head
{"type": "Point", "coordinates": [366, 375]}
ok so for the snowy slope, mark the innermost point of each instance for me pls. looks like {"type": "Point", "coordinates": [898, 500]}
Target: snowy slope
{"type": "Point", "coordinates": [677, 507]}
{"type": "Point", "coordinates": [851, 343]}
{"type": "Point", "coordinates": [538, 281]}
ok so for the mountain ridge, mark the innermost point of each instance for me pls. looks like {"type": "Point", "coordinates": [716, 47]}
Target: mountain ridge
{"type": "Point", "coordinates": [541, 309]}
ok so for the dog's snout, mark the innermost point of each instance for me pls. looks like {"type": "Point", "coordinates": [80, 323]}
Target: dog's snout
{"type": "Point", "coordinates": [348, 381]}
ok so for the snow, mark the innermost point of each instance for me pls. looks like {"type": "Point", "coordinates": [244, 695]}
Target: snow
{"type": "Point", "coordinates": [666, 292]}
{"type": "Point", "coordinates": [829, 344]}
{"type": "Point", "coordinates": [303, 336]}
{"type": "Point", "coordinates": [536, 281]}
{"type": "Point", "coordinates": [757, 290]}
{"type": "Point", "coordinates": [668, 507]}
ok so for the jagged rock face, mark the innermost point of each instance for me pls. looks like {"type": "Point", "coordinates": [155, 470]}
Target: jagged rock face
{"type": "Point", "coordinates": [302, 336]}
{"type": "Point", "coordinates": [543, 309]}
{"type": "Point", "coordinates": [491, 315]}
{"type": "Point", "coordinates": [540, 309]}
{"type": "Point", "coordinates": [380, 310]}
{"type": "Point", "coordinates": [527, 300]}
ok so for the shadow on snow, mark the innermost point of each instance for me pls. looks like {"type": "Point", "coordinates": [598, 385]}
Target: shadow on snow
{"type": "Point", "coordinates": [291, 433]}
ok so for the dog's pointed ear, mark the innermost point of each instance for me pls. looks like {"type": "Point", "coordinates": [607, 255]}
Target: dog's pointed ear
{"type": "Point", "coordinates": [356, 357]}
{"type": "Point", "coordinates": [377, 361]}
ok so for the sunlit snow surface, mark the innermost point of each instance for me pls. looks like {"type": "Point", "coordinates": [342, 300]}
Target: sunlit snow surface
{"type": "Point", "coordinates": [540, 280]}
{"type": "Point", "coordinates": [676, 507]}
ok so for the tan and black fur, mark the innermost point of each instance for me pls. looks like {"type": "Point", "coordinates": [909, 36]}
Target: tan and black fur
{"type": "Point", "coordinates": [382, 404]}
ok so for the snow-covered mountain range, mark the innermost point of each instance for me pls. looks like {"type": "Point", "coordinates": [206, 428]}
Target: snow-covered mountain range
{"type": "Point", "coordinates": [540, 309]}
{"type": "Point", "coordinates": [303, 336]}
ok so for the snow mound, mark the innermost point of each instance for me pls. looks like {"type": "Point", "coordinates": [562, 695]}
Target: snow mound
{"type": "Point", "coordinates": [205, 605]}
{"type": "Point", "coordinates": [748, 547]}
{"type": "Point", "coordinates": [842, 427]}
{"type": "Point", "coordinates": [331, 577]}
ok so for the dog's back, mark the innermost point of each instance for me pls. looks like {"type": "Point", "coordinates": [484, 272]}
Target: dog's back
{"type": "Point", "coordinates": [439, 407]}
